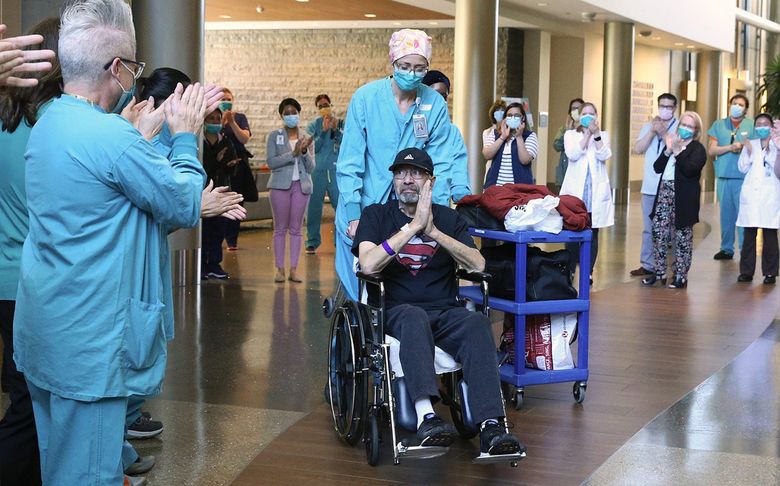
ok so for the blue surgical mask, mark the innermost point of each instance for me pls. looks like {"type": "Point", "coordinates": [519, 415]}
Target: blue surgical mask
{"type": "Point", "coordinates": [225, 106]}
{"type": "Point", "coordinates": [212, 128]}
{"type": "Point", "coordinates": [513, 122]}
{"type": "Point", "coordinates": [685, 133]}
{"type": "Point", "coordinates": [498, 115]}
{"type": "Point", "coordinates": [763, 132]}
{"type": "Point", "coordinates": [290, 121]}
{"type": "Point", "coordinates": [125, 98]}
{"type": "Point", "coordinates": [736, 111]}
{"type": "Point", "coordinates": [406, 81]}
{"type": "Point", "coordinates": [585, 120]}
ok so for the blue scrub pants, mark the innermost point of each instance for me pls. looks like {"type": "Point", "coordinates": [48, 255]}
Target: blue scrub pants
{"type": "Point", "coordinates": [80, 442]}
{"type": "Point", "coordinates": [345, 265]}
{"type": "Point", "coordinates": [728, 198]}
{"type": "Point", "coordinates": [322, 180]}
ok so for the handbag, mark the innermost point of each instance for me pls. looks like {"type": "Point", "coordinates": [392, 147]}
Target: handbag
{"type": "Point", "coordinates": [548, 274]}
{"type": "Point", "coordinates": [242, 181]}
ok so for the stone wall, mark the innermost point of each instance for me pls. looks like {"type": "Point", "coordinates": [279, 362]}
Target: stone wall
{"type": "Point", "coordinates": [262, 67]}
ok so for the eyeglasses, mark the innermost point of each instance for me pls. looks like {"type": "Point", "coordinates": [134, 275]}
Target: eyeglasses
{"type": "Point", "coordinates": [417, 174]}
{"type": "Point", "coordinates": [667, 107]}
{"type": "Point", "coordinates": [408, 69]}
{"type": "Point", "coordinates": [325, 105]}
{"type": "Point", "coordinates": [135, 67]}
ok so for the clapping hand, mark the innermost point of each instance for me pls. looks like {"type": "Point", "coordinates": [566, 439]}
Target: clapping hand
{"type": "Point", "coordinates": [505, 130]}
{"type": "Point", "coordinates": [673, 142]}
{"type": "Point", "coordinates": [185, 109]}
{"type": "Point", "coordinates": [594, 127]}
{"type": "Point", "coordinates": [214, 96]}
{"type": "Point", "coordinates": [423, 216]}
{"type": "Point", "coordinates": [14, 60]}
{"type": "Point", "coordinates": [220, 201]}
{"type": "Point", "coordinates": [659, 126]}
{"type": "Point", "coordinates": [775, 135]}
{"type": "Point", "coordinates": [148, 119]}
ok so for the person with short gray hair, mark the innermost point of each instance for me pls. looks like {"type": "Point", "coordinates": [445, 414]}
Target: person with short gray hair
{"type": "Point", "coordinates": [92, 317]}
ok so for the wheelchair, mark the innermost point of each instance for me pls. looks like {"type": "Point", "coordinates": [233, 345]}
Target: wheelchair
{"type": "Point", "coordinates": [365, 387]}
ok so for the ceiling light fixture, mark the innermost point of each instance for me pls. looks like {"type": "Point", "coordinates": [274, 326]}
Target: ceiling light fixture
{"type": "Point", "coordinates": [655, 38]}
{"type": "Point", "coordinates": [259, 9]}
{"type": "Point", "coordinates": [691, 46]}
{"type": "Point", "coordinates": [542, 4]}
{"type": "Point", "coordinates": [225, 17]}
{"type": "Point", "coordinates": [433, 23]}
{"type": "Point", "coordinates": [678, 43]}
{"type": "Point", "coordinates": [369, 15]}
{"type": "Point", "coordinates": [302, 1]}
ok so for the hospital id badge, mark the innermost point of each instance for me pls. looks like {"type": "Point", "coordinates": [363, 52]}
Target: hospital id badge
{"type": "Point", "coordinates": [420, 126]}
{"type": "Point", "coordinates": [280, 140]}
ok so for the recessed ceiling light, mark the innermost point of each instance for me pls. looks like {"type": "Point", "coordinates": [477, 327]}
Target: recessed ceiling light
{"type": "Point", "coordinates": [302, 1]}
{"type": "Point", "coordinates": [541, 4]}
{"type": "Point", "coordinates": [396, 23]}
{"type": "Point", "coordinates": [225, 17]}
{"type": "Point", "coordinates": [691, 46]}
{"type": "Point", "coordinates": [655, 38]}
{"type": "Point", "coordinates": [315, 24]}
{"type": "Point", "coordinates": [678, 43]}
{"type": "Point", "coordinates": [259, 9]}
{"type": "Point", "coordinates": [433, 23]}
{"type": "Point", "coordinates": [369, 15]}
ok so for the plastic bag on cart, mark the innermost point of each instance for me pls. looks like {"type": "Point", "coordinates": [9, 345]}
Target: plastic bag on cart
{"type": "Point", "coordinates": [536, 215]}
{"type": "Point", "coordinates": [548, 340]}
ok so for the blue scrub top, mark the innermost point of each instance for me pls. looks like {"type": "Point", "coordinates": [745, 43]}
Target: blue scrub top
{"type": "Point", "coordinates": [13, 207]}
{"type": "Point", "coordinates": [724, 132]}
{"type": "Point", "coordinates": [326, 144]}
{"type": "Point", "coordinates": [90, 309]}
{"type": "Point", "coordinates": [375, 131]}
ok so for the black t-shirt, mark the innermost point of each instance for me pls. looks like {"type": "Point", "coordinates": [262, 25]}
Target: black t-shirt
{"type": "Point", "coordinates": [422, 273]}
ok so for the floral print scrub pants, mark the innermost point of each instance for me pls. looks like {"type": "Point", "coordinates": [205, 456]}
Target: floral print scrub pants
{"type": "Point", "coordinates": [663, 229]}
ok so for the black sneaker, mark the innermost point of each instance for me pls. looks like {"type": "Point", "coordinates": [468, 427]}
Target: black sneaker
{"type": "Point", "coordinates": [495, 440]}
{"type": "Point", "coordinates": [722, 255]}
{"type": "Point", "coordinates": [144, 427]}
{"type": "Point", "coordinates": [744, 278]}
{"type": "Point", "coordinates": [434, 431]}
{"type": "Point", "coordinates": [216, 271]}
{"type": "Point", "coordinates": [769, 280]}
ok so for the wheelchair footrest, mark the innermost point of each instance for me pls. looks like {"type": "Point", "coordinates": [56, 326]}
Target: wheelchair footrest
{"type": "Point", "coordinates": [420, 452]}
{"type": "Point", "coordinates": [485, 458]}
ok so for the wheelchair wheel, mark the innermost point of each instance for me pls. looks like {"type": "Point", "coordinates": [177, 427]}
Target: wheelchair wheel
{"type": "Point", "coordinates": [347, 383]}
{"type": "Point", "coordinates": [372, 437]}
{"type": "Point", "coordinates": [455, 402]}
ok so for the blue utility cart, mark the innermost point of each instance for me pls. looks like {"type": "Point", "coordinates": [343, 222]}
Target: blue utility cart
{"type": "Point", "coordinates": [516, 376]}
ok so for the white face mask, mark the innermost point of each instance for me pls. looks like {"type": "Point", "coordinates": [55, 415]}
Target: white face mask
{"type": "Point", "coordinates": [575, 114]}
{"type": "Point", "coordinates": [665, 114]}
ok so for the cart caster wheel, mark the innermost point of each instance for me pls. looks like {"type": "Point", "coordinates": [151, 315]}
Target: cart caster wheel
{"type": "Point", "coordinates": [519, 396]}
{"type": "Point", "coordinates": [372, 439]}
{"type": "Point", "coordinates": [396, 462]}
{"type": "Point", "coordinates": [513, 463]}
{"type": "Point", "coordinates": [579, 391]}
{"type": "Point", "coordinates": [328, 307]}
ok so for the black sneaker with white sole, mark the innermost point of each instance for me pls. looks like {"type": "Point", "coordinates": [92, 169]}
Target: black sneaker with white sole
{"type": "Point", "coordinates": [144, 427]}
{"type": "Point", "coordinates": [216, 271]}
{"type": "Point", "coordinates": [495, 440]}
{"type": "Point", "coordinates": [434, 431]}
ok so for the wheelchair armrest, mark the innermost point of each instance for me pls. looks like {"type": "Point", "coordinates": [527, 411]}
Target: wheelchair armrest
{"type": "Point", "coordinates": [473, 276]}
{"type": "Point", "coordinates": [371, 278]}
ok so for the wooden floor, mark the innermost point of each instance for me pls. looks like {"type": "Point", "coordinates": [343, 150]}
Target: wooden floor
{"type": "Point", "coordinates": [648, 348]}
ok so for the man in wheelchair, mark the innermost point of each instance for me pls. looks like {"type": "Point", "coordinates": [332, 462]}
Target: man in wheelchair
{"type": "Point", "coordinates": [415, 245]}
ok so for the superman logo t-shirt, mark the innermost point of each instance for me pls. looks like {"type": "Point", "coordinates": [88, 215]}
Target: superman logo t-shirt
{"type": "Point", "coordinates": [421, 273]}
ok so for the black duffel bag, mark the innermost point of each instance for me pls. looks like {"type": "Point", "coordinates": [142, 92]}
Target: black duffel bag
{"type": "Point", "coordinates": [548, 274]}
{"type": "Point", "coordinates": [477, 217]}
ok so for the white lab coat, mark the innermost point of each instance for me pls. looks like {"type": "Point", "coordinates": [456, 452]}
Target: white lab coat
{"type": "Point", "coordinates": [759, 201]}
{"type": "Point", "coordinates": [602, 205]}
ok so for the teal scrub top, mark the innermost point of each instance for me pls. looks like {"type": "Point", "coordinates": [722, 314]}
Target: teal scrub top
{"type": "Point", "coordinates": [375, 131]}
{"type": "Point", "coordinates": [723, 130]}
{"type": "Point", "coordinates": [13, 207]}
{"type": "Point", "coordinates": [90, 311]}
{"type": "Point", "coordinates": [326, 144]}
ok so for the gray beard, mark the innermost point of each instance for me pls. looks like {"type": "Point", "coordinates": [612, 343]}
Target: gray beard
{"type": "Point", "coordinates": [409, 198]}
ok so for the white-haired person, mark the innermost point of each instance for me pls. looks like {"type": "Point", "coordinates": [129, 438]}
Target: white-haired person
{"type": "Point", "coordinates": [90, 323]}
{"type": "Point", "coordinates": [383, 117]}
{"type": "Point", "coordinates": [676, 205]}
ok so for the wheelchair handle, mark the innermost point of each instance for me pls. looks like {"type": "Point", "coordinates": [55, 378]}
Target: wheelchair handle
{"type": "Point", "coordinates": [473, 276]}
{"type": "Point", "coordinates": [374, 278]}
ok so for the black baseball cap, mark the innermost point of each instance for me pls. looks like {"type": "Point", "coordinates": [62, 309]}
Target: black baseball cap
{"type": "Point", "coordinates": [414, 157]}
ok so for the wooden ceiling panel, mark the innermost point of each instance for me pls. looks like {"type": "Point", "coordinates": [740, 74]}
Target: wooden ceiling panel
{"type": "Point", "coordinates": [314, 10]}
